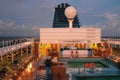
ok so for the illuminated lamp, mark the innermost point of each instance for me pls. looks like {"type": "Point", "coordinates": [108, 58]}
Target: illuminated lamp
{"type": "Point", "coordinates": [70, 13]}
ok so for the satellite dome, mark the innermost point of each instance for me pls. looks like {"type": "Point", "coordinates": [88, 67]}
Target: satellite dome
{"type": "Point", "coordinates": [70, 12]}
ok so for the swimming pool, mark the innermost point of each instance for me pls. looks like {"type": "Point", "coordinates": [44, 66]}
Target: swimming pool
{"type": "Point", "coordinates": [81, 64]}
{"type": "Point", "coordinates": [104, 69]}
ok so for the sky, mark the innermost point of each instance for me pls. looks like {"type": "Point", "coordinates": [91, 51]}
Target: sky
{"type": "Point", "coordinates": [25, 17]}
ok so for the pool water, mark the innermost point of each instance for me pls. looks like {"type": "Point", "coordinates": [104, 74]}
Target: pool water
{"type": "Point", "coordinates": [81, 64]}
{"type": "Point", "coordinates": [97, 78]}
{"type": "Point", "coordinates": [104, 69]}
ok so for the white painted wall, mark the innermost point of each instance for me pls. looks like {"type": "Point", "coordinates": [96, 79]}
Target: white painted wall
{"type": "Point", "coordinates": [60, 35]}
{"type": "Point", "coordinates": [81, 53]}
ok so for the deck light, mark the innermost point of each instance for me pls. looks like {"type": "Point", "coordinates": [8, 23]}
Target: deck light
{"type": "Point", "coordinates": [70, 13]}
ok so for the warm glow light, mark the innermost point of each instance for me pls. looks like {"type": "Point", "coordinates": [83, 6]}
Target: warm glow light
{"type": "Point", "coordinates": [29, 68]}
{"type": "Point", "coordinates": [30, 65]}
{"type": "Point", "coordinates": [19, 78]}
{"type": "Point", "coordinates": [70, 12]}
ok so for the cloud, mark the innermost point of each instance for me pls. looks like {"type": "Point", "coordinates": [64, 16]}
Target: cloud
{"type": "Point", "coordinates": [110, 26]}
{"type": "Point", "coordinates": [34, 28]}
{"type": "Point", "coordinates": [7, 28]}
{"type": "Point", "coordinates": [1, 23]}
{"type": "Point", "coordinates": [112, 19]}
{"type": "Point", "coordinates": [110, 15]}
{"type": "Point", "coordinates": [85, 11]}
{"type": "Point", "coordinates": [92, 25]}
{"type": "Point", "coordinates": [28, 15]}
{"type": "Point", "coordinates": [47, 5]}
{"type": "Point", "coordinates": [112, 23]}
{"type": "Point", "coordinates": [9, 24]}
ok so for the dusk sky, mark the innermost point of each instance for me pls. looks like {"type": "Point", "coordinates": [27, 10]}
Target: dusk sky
{"type": "Point", "coordinates": [25, 17]}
